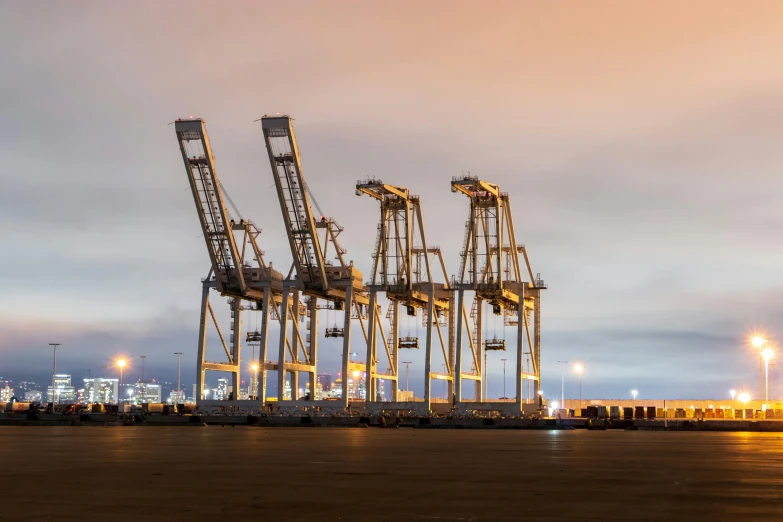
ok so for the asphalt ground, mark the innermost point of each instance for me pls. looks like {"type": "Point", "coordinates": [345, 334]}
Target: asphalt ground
{"type": "Point", "coordinates": [291, 474]}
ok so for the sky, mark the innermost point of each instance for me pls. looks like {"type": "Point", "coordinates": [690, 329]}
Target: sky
{"type": "Point", "coordinates": [639, 142]}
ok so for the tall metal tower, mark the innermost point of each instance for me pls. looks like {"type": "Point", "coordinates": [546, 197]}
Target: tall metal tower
{"type": "Point", "coordinates": [402, 271]}
{"type": "Point", "coordinates": [490, 269]}
{"type": "Point", "coordinates": [238, 269]}
{"type": "Point", "coordinates": [317, 277]}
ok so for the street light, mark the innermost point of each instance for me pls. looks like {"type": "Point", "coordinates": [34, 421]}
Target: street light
{"type": "Point", "coordinates": [744, 397]}
{"type": "Point", "coordinates": [178, 354]}
{"type": "Point", "coordinates": [634, 392]}
{"type": "Point", "coordinates": [562, 382]}
{"type": "Point", "coordinates": [121, 364]}
{"type": "Point", "coordinates": [504, 378]}
{"type": "Point", "coordinates": [578, 368]}
{"type": "Point", "coordinates": [767, 355]}
{"type": "Point", "coordinates": [54, 373]}
{"type": "Point", "coordinates": [254, 386]}
{"type": "Point", "coordinates": [407, 364]}
{"type": "Point", "coordinates": [759, 343]}
{"type": "Point", "coordinates": [732, 393]}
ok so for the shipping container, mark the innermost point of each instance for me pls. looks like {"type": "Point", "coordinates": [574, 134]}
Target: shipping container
{"type": "Point", "coordinates": [639, 413]}
{"type": "Point", "coordinates": [614, 412]}
{"type": "Point", "coordinates": [628, 413]}
{"type": "Point", "coordinates": [651, 412]}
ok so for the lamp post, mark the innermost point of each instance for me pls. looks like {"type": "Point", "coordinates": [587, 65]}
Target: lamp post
{"type": "Point", "coordinates": [767, 355]}
{"type": "Point", "coordinates": [562, 383]}
{"type": "Point", "coordinates": [178, 354]}
{"type": "Point", "coordinates": [578, 368]}
{"type": "Point", "coordinates": [54, 373]}
{"type": "Point", "coordinates": [121, 364]}
{"type": "Point", "coordinates": [407, 364]}
{"type": "Point", "coordinates": [759, 343]}
{"type": "Point", "coordinates": [633, 393]}
{"type": "Point", "coordinates": [732, 393]}
{"type": "Point", "coordinates": [504, 378]}
{"type": "Point", "coordinates": [254, 386]}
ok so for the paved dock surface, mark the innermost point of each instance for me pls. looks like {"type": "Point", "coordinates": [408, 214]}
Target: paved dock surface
{"type": "Point", "coordinates": [279, 474]}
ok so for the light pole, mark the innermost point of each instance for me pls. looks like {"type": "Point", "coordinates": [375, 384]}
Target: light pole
{"type": "Point", "coordinates": [407, 364]}
{"type": "Point", "coordinates": [633, 393]}
{"type": "Point", "coordinates": [121, 364]}
{"type": "Point", "coordinates": [254, 386]}
{"type": "Point", "coordinates": [732, 393]}
{"type": "Point", "coordinates": [759, 343]}
{"type": "Point", "coordinates": [562, 383]}
{"type": "Point", "coordinates": [578, 368]}
{"type": "Point", "coordinates": [767, 355]}
{"type": "Point", "coordinates": [54, 373]}
{"type": "Point", "coordinates": [143, 386]}
{"type": "Point", "coordinates": [178, 354]}
{"type": "Point", "coordinates": [504, 378]}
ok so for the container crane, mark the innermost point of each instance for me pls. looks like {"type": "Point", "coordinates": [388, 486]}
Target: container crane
{"type": "Point", "coordinates": [397, 273]}
{"type": "Point", "coordinates": [238, 270]}
{"type": "Point", "coordinates": [490, 269]}
{"type": "Point", "coordinates": [339, 284]}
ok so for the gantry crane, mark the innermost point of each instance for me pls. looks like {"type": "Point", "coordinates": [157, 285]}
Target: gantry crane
{"type": "Point", "coordinates": [238, 272]}
{"type": "Point", "coordinates": [316, 277]}
{"type": "Point", "coordinates": [490, 269]}
{"type": "Point", "coordinates": [397, 273]}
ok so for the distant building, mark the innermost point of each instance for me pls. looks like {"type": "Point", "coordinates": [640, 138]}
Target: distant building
{"type": "Point", "coordinates": [325, 380]}
{"type": "Point", "coordinates": [33, 396]}
{"type": "Point", "coordinates": [146, 392]}
{"type": "Point", "coordinates": [221, 393]}
{"type": "Point", "coordinates": [173, 397]}
{"type": "Point", "coordinates": [404, 396]}
{"type": "Point", "coordinates": [6, 393]}
{"type": "Point", "coordinates": [64, 393]}
{"type": "Point", "coordinates": [100, 390]}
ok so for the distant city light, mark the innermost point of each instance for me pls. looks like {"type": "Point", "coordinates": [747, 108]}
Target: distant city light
{"type": "Point", "coordinates": [744, 397]}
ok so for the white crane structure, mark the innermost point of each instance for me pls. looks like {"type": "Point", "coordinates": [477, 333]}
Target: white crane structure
{"type": "Point", "coordinates": [317, 277]}
{"type": "Point", "coordinates": [403, 272]}
{"type": "Point", "coordinates": [238, 269]}
{"type": "Point", "coordinates": [490, 270]}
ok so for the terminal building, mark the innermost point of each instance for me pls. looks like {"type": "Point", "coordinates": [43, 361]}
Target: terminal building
{"type": "Point", "coordinates": [64, 392]}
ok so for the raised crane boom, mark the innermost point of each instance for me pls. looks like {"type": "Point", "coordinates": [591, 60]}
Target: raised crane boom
{"type": "Point", "coordinates": [210, 203]}
{"type": "Point", "coordinates": [295, 203]}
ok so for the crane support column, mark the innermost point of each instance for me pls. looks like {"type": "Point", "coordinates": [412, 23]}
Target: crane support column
{"type": "Point", "coordinates": [312, 333]}
{"type": "Point", "coordinates": [236, 345]}
{"type": "Point", "coordinates": [202, 338]}
{"type": "Point", "coordinates": [281, 371]}
{"type": "Point", "coordinates": [458, 343]}
{"type": "Point", "coordinates": [537, 341]}
{"type": "Point", "coordinates": [295, 342]}
{"type": "Point", "coordinates": [262, 356]}
{"type": "Point", "coordinates": [347, 342]}
{"type": "Point", "coordinates": [371, 342]}
{"type": "Point", "coordinates": [395, 307]}
{"type": "Point", "coordinates": [520, 347]}
{"type": "Point", "coordinates": [428, 354]}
